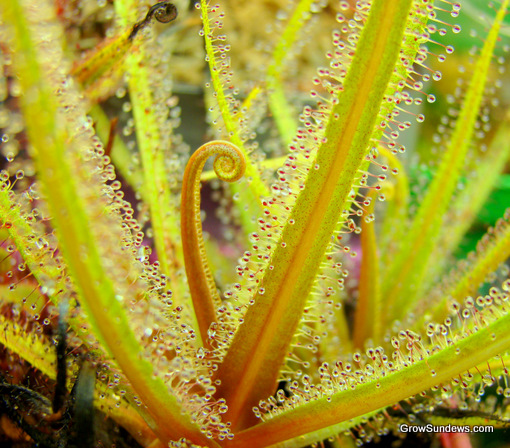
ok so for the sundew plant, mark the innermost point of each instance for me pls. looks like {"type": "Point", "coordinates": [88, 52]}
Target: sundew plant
{"type": "Point", "coordinates": [328, 302]}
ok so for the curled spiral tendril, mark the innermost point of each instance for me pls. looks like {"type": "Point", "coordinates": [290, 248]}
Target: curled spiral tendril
{"type": "Point", "coordinates": [163, 12]}
{"type": "Point", "coordinates": [229, 165]}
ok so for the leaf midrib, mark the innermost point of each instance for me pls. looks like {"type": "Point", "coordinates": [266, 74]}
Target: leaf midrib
{"type": "Point", "coordinates": [316, 213]}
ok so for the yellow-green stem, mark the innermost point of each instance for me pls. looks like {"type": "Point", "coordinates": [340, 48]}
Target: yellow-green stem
{"type": "Point", "coordinates": [257, 189]}
{"type": "Point", "coordinates": [156, 185]}
{"type": "Point", "coordinates": [368, 306]}
{"type": "Point", "coordinates": [280, 107]}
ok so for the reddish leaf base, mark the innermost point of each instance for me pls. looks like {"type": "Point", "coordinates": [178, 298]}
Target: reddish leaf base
{"type": "Point", "coordinates": [455, 440]}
